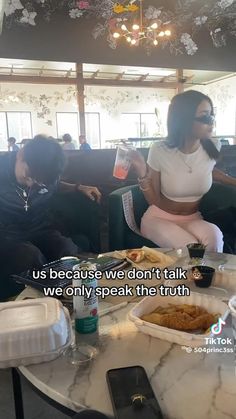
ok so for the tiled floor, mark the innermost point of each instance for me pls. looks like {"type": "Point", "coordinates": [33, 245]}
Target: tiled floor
{"type": "Point", "coordinates": [35, 407]}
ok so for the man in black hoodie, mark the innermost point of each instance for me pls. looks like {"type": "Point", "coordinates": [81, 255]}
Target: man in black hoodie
{"type": "Point", "coordinates": [28, 179]}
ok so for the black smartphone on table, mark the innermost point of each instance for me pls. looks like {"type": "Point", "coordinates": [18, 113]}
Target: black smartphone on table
{"type": "Point", "coordinates": [106, 263]}
{"type": "Point", "coordinates": [132, 395]}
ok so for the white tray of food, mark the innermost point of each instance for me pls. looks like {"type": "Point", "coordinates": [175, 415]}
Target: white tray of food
{"type": "Point", "coordinates": [33, 331]}
{"type": "Point", "coordinates": [193, 334]}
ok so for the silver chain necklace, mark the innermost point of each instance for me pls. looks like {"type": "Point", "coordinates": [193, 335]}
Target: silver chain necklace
{"type": "Point", "coordinates": [23, 196]}
{"type": "Point", "coordinates": [190, 169]}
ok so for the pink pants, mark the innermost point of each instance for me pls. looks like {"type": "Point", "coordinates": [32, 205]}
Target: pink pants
{"type": "Point", "coordinates": [175, 231]}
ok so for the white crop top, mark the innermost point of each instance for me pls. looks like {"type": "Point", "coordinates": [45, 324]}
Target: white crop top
{"type": "Point", "coordinates": [184, 177]}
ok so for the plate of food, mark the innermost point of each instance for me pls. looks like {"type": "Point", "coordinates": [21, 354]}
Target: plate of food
{"type": "Point", "coordinates": [148, 258]}
{"type": "Point", "coordinates": [183, 320]}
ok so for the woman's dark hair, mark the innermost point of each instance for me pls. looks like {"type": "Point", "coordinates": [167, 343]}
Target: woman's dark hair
{"type": "Point", "coordinates": [181, 114]}
{"type": "Point", "coordinates": [45, 159]}
{"type": "Point", "coordinates": [25, 141]}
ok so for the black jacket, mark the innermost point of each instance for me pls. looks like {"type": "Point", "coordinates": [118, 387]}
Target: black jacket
{"type": "Point", "coordinates": [15, 221]}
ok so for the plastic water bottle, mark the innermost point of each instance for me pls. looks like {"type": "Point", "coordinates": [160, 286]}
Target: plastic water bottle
{"type": "Point", "coordinates": [85, 307]}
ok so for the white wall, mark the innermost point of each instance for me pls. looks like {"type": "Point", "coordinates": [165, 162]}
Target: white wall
{"type": "Point", "coordinates": [110, 102]}
{"type": "Point", "coordinates": [223, 95]}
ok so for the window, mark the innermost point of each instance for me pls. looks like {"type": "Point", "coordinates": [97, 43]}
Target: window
{"type": "Point", "coordinates": [139, 125]}
{"type": "Point", "coordinates": [93, 132]}
{"type": "Point", "coordinates": [14, 124]}
{"type": "Point", "coordinates": [149, 125]}
{"type": "Point", "coordinates": [131, 125]}
{"type": "Point", "coordinates": [19, 125]}
{"type": "Point", "coordinates": [3, 131]}
{"type": "Point", "coordinates": [68, 122]}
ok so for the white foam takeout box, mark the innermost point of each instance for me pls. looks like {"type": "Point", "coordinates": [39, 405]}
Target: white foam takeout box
{"type": "Point", "coordinates": [149, 304]}
{"type": "Point", "coordinates": [33, 331]}
{"type": "Point", "coordinates": [232, 305]}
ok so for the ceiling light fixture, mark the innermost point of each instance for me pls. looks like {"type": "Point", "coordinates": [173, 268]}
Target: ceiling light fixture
{"type": "Point", "coordinates": [136, 31]}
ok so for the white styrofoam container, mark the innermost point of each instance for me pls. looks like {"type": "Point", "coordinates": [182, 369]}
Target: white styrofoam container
{"type": "Point", "coordinates": [148, 304]}
{"type": "Point", "coordinates": [232, 305]}
{"type": "Point", "coordinates": [33, 331]}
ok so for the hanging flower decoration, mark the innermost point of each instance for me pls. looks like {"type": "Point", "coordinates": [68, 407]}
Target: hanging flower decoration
{"type": "Point", "coordinates": [84, 5]}
{"type": "Point", "coordinates": [184, 21]}
{"type": "Point", "coordinates": [189, 44]}
{"type": "Point", "coordinates": [120, 8]}
{"type": "Point", "coordinates": [12, 5]}
{"type": "Point", "coordinates": [132, 8]}
{"type": "Point", "coordinates": [200, 20]}
{"type": "Point", "coordinates": [74, 13]}
{"type": "Point", "coordinates": [28, 17]}
{"type": "Point", "coordinates": [152, 13]}
{"type": "Point", "coordinates": [225, 3]}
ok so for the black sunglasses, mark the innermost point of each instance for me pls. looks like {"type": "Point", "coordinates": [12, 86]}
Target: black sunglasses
{"type": "Point", "coordinates": [205, 119]}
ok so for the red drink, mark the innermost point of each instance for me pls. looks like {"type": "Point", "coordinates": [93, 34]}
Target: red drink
{"type": "Point", "coordinates": [120, 172]}
{"type": "Point", "coordinates": [122, 163]}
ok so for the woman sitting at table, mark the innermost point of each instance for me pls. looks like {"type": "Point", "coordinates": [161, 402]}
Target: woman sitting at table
{"type": "Point", "coordinates": [178, 173]}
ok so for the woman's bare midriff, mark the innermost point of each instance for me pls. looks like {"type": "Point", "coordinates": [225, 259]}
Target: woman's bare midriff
{"type": "Point", "coordinates": [178, 208]}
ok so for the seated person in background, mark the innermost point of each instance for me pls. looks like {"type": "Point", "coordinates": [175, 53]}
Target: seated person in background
{"type": "Point", "coordinates": [83, 143]}
{"type": "Point", "coordinates": [179, 172]}
{"type": "Point", "coordinates": [12, 144]}
{"type": "Point", "coordinates": [68, 144]}
{"type": "Point", "coordinates": [28, 179]}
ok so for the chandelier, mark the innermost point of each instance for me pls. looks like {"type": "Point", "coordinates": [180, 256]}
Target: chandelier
{"type": "Point", "coordinates": [137, 30]}
{"type": "Point", "coordinates": [174, 29]}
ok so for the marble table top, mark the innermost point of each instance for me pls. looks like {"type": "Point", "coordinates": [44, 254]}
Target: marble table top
{"type": "Point", "coordinates": [188, 383]}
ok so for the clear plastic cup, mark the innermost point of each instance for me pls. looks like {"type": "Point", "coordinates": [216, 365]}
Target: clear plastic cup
{"type": "Point", "coordinates": [78, 354]}
{"type": "Point", "coordinates": [122, 162]}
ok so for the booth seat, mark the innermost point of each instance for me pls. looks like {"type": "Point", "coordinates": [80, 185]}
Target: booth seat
{"type": "Point", "coordinates": [78, 217]}
{"type": "Point", "coordinates": [217, 206]}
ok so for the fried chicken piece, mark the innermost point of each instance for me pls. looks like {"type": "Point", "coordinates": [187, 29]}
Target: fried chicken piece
{"type": "Point", "coordinates": [204, 321]}
{"type": "Point", "coordinates": [165, 310]}
{"type": "Point", "coordinates": [181, 321]}
{"type": "Point", "coordinates": [193, 311]}
{"type": "Point", "coordinates": [178, 321]}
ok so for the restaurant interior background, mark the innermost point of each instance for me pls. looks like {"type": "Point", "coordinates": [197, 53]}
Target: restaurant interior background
{"type": "Point", "coordinates": [110, 113]}
{"type": "Point", "coordinates": [126, 90]}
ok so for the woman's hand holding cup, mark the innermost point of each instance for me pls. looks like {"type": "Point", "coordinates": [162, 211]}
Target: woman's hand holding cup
{"type": "Point", "coordinates": [126, 157]}
{"type": "Point", "coordinates": [138, 163]}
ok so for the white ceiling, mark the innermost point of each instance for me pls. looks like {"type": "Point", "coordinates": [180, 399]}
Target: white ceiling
{"type": "Point", "coordinates": [51, 68]}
